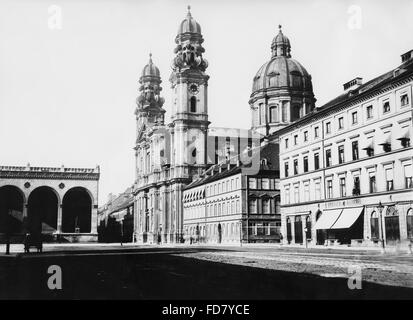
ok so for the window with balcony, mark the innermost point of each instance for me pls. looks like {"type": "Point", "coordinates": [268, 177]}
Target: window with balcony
{"type": "Point", "coordinates": [372, 183]}
{"type": "Point", "coordinates": [408, 182]}
{"type": "Point", "coordinates": [342, 187]}
{"type": "Point", "coordinates": [296, 194]}
{"type": "Point", "coordinates": [317, 187]}
{"type": "Point", "coordinates": [356, 186]}
{"type": "Point", "coordinates": [316, 161]}
{"type": "Point", "coordinates": [329, 189]}
{"type": "Point", "coordinates": [328, 158]}
{"type": "Point", "coordinates": [389, 179]}
{"type": "Point", "coordinates": [307, 192]}
{"type": "Point", "coordinates": [341, 154]}
{"type": "Point", "coordinates": [355, 150]}
{"type": "Point", "coordinates": [305, 163]}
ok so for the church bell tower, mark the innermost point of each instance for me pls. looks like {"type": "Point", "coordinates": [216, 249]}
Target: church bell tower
{"type": "Point", "coordinates": [190, 90]}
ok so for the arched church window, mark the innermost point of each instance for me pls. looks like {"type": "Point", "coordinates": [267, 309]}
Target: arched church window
{"type": "Point", "coordinates": [274, 114]}
{"type": "Point", "coordinates": [193, 104]}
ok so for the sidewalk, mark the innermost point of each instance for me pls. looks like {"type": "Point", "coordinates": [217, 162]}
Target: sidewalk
{"type": "Point", "coordinates": [16, 249]}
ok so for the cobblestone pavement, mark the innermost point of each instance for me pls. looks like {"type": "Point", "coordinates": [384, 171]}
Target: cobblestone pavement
{"type": "Point", "coordinates": [394, 269]}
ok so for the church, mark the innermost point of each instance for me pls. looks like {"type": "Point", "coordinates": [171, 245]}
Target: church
{"type": "Point", "coordinates": [170, 157]}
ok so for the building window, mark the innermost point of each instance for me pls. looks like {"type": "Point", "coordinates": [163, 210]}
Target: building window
{"type": "Point", "coordinates": [252, 183]}
{"type": "Point", "coordinates": [305, 136]}
{"type": "Point", "coordinates": [389, 179]}
{"type": "Point", "coordinates": [266, 205]}
{"type": "Point", "coordinates": [286, 143]}
{"type": "Point", "coordinates": [252, 205]}
{"type": "Point", "coordinates": [296, 194]}
{"type": "Point", "coordinates": [316, 161]}
{"type": "Point", "coordinates": [307, 192]}
{"type": "Point", "coordinates": [305, 163]}
{"type": "Point", "coordinates": [328, 158]}
{"type": "Point", "coordinates": [404, 100]}
{"type": "Point", "coordinates": [342, 187]}
{"type": "Point", "coordinates": [329, 189]}
{"type": "Point", "coordinates": [408, 176]}
{"type": "Point", "coordinates": [386, 107]}
{"type": "Point", "coordinates": [356, 187]}
{"type": "Point", "coordinates": [286, 169]}
{"type": "Point", "coordinates": [287, 196]}
{"type": "Point", "coordinates": [316, 132]}
{"type": "Point", "coordinates": [409, 220]}
{"type": "Point", "coordinates": [265, 184]}
{"type": "Point", "coordinates": [354, 119]}
{"type": "Point", "coordinates": [328, 127]}
{"type": "Point", "coordinates": [193, 104]}
{"type": "Point", "coordinates": [317, 190]}
{"type": "Point", "coordinates": [341, 154]}
{"type": "Point", "coordinates": [296, 139]}
{"type": "Point", "coordinates": [369, 111]}
{"type": "Point", "coordinates": [341, 123]}
{"type": "Point", "coordinates": [355, 150]}
{"type": "Point", "coordinates": [372, 183]}
{"type": "Point", "coordinates": [374, 226]}
{"type": "Point", "coordinates": [295, 166]}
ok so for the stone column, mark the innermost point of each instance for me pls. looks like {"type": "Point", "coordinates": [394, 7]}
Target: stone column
{"type": "Point", "coordinates": [59, 218]}
{"type": "Point", "coordinates": [94, 225]}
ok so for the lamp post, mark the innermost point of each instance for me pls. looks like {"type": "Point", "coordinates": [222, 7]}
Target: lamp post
{"type": "Point", "coordinates": [380, 207]}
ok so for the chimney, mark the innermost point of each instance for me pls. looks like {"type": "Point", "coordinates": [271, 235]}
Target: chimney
{"type": "Point", "coordinates": [407, 56]}
{"type": "Point", "coordinates": [353, 84]}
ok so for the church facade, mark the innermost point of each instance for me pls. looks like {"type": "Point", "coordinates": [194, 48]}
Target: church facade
{"type": "Point", "coordinates": [174, 157]}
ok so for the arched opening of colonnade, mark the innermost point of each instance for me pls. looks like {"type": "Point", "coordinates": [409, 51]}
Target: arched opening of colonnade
{"type": "Point", "coordinates": [77, 211]}
{"type": "Point", "coordinates": [11, 210]}
{"type": "Point", "coordinates": [42, 208]}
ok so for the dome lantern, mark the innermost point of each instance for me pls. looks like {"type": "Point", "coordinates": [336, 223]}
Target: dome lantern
{"type": "Point", "coordinates": [280, 45]}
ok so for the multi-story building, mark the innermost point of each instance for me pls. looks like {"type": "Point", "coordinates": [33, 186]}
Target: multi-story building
{"type": "Point", "coordinates": [116, 217]}
{"type": "Point", "coordinates": [235, 202]}
{"type": "Point", "coordinates": [346, 168]}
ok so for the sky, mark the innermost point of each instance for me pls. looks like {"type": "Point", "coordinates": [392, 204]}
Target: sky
{"type": "Point", "coordinates": [68, 85]}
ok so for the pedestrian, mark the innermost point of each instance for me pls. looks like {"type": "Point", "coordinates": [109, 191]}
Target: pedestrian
{"type": "Point", "coordinates": [27, 242]}
{"type": "Point", "coordinates": [39, 242]}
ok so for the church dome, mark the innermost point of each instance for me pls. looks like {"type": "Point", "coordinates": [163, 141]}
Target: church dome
{"type": "Point", "coordinates": [282, 72]}
{"type": "Point", "coordinates": [189, 25]}
{"type": "Point", "coordinates": [150, 70]}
